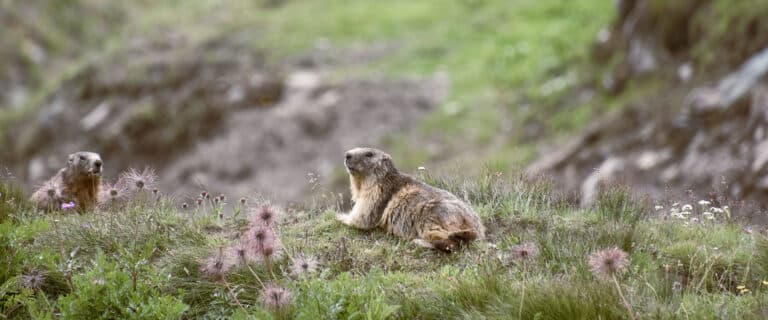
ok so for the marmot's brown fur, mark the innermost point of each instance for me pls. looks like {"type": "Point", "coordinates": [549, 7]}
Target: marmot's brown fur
{"type": "Point", "coordinates": [386, 198]}
{"type": "Point", "coordinates": [78, 181]}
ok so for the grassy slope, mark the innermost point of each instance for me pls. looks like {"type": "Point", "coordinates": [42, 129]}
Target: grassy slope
{"type": "Point", "coordinates": [373, 275]}
{"type": "Point", "coordinates": [497, 53]}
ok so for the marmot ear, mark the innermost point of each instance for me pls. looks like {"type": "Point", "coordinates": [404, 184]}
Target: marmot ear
{"type": "Point", "coordinates": [71, 158]}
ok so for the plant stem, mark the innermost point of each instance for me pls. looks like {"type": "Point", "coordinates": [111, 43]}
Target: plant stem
{"type": "Point", "coordinates": [232, 293]}
{"type": "Point", "coordinates": [623, 299]}
{"type": "Point", "coordinates": [522, 297]}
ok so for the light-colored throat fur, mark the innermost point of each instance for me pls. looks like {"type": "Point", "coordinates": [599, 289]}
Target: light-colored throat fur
{"type": "Point", "coordinates": [366, 193]}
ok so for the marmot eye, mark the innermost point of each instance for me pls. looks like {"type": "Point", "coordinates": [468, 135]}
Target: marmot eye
{"type": "Point", "coordinates": [82, 158]}
{"type": "Point", "coordinates": [369, 154]}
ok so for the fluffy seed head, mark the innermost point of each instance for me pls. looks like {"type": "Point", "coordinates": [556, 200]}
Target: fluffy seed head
{"type": "Point", "coordinates": [216, 266]}
{"type": "Point", "coordinates": [524, 252]}
{"type": "Point", "coordinates": [265, 217]}
{"type": "Point", "coordinates": [243, 201]}
{"type": "Point", "coordinates": [34, 280]}
{"type": "Point", "coordinates": [139, 180]}
{"type": "Point", "coordinates": [184, 206]}
{"type": "Point", "coordinates": [199, 201]}
{"type": "Point", "coordinates": [608, 262]}
{"type": "Point", "coordinates": [276, 298]}
{"type": "Point", "coordinates": [111, 194]}
{"type": "Point", "coordinates": [303, 266]}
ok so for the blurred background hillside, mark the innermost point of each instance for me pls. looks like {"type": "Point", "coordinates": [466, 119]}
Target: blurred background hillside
{"type": "Point", "coordinates": [264, 95]}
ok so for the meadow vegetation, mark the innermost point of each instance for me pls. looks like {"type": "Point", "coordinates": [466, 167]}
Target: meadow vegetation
{"type": "Point", "coordinates": [158, 256]}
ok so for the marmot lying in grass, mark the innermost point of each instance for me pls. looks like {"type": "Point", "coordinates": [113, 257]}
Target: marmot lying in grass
{"type": "Point", "coordinates": [386, 198]}
{"type": "Point", "coordinates": [78, 181]}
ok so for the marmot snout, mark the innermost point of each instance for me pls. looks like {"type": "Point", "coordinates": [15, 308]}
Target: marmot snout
{"type": "Point", "coordinates": [404, 206]}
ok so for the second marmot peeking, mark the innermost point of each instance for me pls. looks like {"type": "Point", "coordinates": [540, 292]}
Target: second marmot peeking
{"type": "Point", "coordinates": [78, 181]}
{"type": "Point", "coordinates": [388, 199]}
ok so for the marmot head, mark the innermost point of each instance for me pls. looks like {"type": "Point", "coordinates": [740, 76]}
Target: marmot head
{"type": "Point", "coordinates": [365, 162]}
{"type": "Point", "coordinates": [85, 163]}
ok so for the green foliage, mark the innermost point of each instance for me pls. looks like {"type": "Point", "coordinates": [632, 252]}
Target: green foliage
{"type": "Point", "coordinates": [108, 291]}
{"type": "Point", "coordinates": [145, 261]}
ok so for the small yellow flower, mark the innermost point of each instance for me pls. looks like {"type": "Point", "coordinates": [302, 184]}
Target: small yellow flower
{"type": "Point", "coordinates": [741, 287]}
{"type": "Point", "coordinates": [765, 282]}
{"type": "Point", "coordinates": [744, 291]}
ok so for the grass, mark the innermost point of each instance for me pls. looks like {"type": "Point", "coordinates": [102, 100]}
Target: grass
{"type": "Point", "coordinates": [148, 257]}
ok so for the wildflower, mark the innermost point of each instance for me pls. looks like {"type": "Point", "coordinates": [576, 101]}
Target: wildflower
{"type": "Point", "coordinates": [112, 193]}
{"type": "Point", "coordinates": [99, 281]}
{"type": "Point", "coordinates": [184, 206]}
{"type": "Point", "coordinates": [525, 251]}
{"type": "Point", "coordinates": [239, 253]}
{"type": "Point", "coordinates": [606, 263]}
{"type": "Point", "coordinates": [204, 194]}
{"type": "Point", "coordinates": [765, 283]}
{"type": "Point", "coordinates": [302, 266]}
{"type": "Point", "coordinates": [717, 210]}
{"type": "Point", "coordinates": [243, 201]}
{"type": "Point", "coordinates": [421, 169]}
{"type": "Point", "coordinates": [222, 197]}
{"type": "Point", "coordinates": [657, 208]}
{"type": "Point", "coordinates": [259, 237]}
{"type": "Point", "coordinates": [704, 203]}
{"type": "Point", "coordinates": [68, 205]}
{"type": "Point", "coordinates": [207, 196]}
{"type": "Point", "coordinates": [275, 298]}
{"type": "Point", "coordinates": [199, 201]}
{"type": "Point", "coordinates": [139, 180]}
{"type": "Point", "coordinates": [742, 289]}
{"type": "Point", "coordinates": [34, 280]}
{"type": "Point", "coordinates": [216, 200]}
{"type": "Point", "coordinates": [155, 191]}
{"type": "Point", "coordinates": [216, 266]}
{"type": "Point", "coordinates": [687, 207]}
{"type": "Point", "coordinates": [675, 204]}
{"type": "Point", "coordinates": [266, 217]}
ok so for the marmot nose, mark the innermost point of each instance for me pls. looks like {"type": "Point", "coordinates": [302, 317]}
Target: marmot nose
{"type": "Point", "coordinates": [97, 164]}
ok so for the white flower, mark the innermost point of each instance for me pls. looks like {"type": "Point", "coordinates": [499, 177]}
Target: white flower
{"type": "Point", "coordinates": [687, 207]}
{"type": "Point", "coordinates": [676, 204]}
{"type": "Point", "coordinates": [421, 168]}
{"type": "Point", "coordinates": [717, 210]}
{"type": "Point", "coordinates": [694, 219]}
{"type": "Point", "coordinates": [704, 203]}
{"type": "Point", "coordinates": [658, 208]}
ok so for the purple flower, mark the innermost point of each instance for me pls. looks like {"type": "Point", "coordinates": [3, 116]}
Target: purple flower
{"type": "Point", "coordinates": [68, 205]}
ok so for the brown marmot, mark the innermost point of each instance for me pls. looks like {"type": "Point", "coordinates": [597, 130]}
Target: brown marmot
{"type": "Point", "coordinates": [78, 181]}
{"type": "Point", "coordinates": [386, 198]}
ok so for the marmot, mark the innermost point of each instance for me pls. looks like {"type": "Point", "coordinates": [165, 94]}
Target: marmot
{"type": "Point", "coordinates": [78, 181]}
{"type": "Point", "coordinates": [386, 198]}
